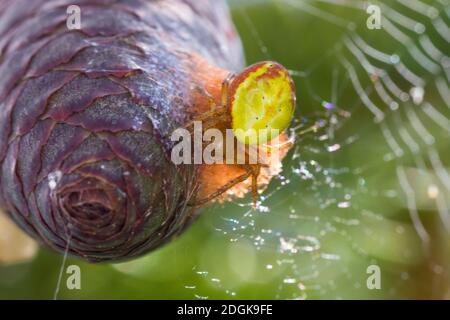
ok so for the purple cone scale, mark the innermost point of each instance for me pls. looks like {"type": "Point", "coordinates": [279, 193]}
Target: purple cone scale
{"type": "Point", "coordinates": [86, 117]}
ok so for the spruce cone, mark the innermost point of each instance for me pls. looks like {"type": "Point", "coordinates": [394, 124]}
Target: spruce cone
{"type": "Point", "coordinates": [86, 118]}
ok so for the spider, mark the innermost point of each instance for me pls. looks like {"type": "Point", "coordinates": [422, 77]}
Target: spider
{"type": "Point", "coordinates": [258, 105]}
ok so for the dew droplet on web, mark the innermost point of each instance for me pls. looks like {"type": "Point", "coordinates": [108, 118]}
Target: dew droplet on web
{"type": "Point", "coordinates": [334, 147]}
{"type": "Point", "coordinates": [417, 94]}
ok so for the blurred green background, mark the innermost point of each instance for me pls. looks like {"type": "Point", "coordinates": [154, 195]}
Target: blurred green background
{"type": "Point", "coordinates": [340, 204]}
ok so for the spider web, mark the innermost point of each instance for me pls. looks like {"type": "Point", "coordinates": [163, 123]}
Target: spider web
{"type": "Point", "coordinates": [372, 187]}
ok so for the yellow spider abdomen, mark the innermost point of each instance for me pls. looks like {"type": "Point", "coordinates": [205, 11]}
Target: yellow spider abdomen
{"type": "Point", "coordinates": [261, 102]}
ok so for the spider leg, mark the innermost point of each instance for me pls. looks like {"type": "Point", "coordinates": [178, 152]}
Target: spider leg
{"type": "Point", "coordinates": [218, 113]}
{"type": "Point", "coordinates": [255, 173]}
{"type": "Point", "coordinates": [225, 86]}
{"type": "Point", "coordinates": [210, 115]}
{"type": "Point", "coordinates": [314, 128]}
{"type": "Point", "coordinates": [251, 172]}
{"type": "Point", "coordinates": [280, 147]}
{"type": "Point", "coordinates": [213, 122]}
{"type": "Point", "coordinates": [203, 92]}
{"type": "Point", "coordinates": [223, 189]}
{"type": "Point", "coordinates": [209, 122]}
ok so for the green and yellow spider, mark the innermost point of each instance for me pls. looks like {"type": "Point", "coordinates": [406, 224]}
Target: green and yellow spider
{"type": "Point", "coordinates": [258, 105]}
